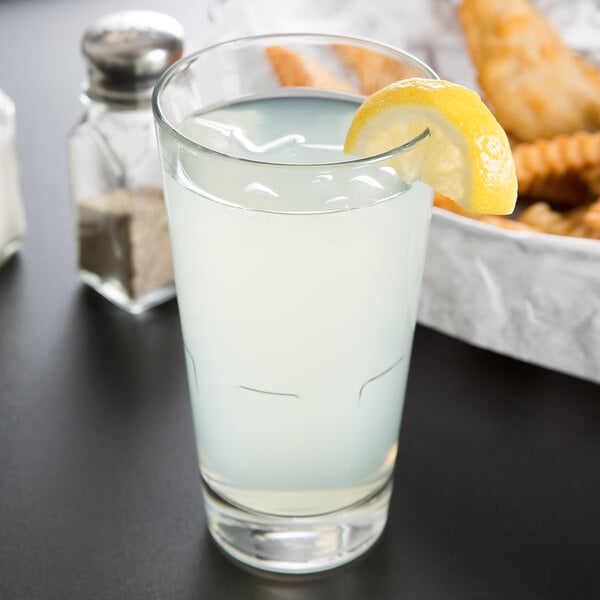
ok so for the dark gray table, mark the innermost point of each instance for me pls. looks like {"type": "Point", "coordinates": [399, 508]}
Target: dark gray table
{"type": "Point", "coordinates": [498, 480]}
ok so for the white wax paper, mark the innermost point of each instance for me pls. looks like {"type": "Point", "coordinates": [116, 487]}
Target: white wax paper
{"type": "Point", "coordinates": [404, 24]}
{"type": "Point", "coordinates": [532, 296]}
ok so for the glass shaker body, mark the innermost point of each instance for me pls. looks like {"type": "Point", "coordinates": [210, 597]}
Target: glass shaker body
{"type": "Point", "coordinates": [12, 214]}
{"type": "Point", "coordinates": [122, 233]}
{"type": "Point", "coordinates": [123, 244]}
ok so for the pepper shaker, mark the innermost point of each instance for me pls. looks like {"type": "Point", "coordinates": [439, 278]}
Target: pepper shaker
{"type": "Point", "coordinates": [122, 234]}
{"type": "Point", "coordinates": [12, 216]}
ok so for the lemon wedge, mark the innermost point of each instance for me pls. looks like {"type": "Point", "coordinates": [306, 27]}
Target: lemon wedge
{"type": "Point", "coordinates": [469, 158]}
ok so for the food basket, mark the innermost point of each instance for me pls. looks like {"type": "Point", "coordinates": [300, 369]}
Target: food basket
{"type": "Point", "coordinates": [530, 295]}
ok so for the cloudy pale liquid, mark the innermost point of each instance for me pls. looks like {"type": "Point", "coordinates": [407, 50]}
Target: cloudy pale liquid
{"type": "Point", "coordinates": [298, 295]}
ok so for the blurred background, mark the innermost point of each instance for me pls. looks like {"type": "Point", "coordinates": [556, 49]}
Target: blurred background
{"type": "Point", "coordinates": [97, 469]}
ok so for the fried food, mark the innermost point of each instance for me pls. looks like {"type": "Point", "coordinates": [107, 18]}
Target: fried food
{"type": "Point", "coordinates": [559, 155]}
{"type": "Point", "coordinates": [558, 190]}
{"type": "Point", "coordinates": [540, 215]}
{"type": "Point", "coordinates": [591, 178]}
{"type": "Point", "coordinates": [591, 218]}
{"type": "Point", "coordinates": [373, 69]}
{"type": "Point", "coordinates": [551, 168]}
{"type": "Point", "coordinates": [446, 203]}
{"type": "Point", "coordinates": [507, 223]}
{"type": "Point", "coordinates": [536, 86]}
{"type": "Point", "coordinates": [292, 69]}
{"type": "Point", "coordinates": [570, 223]}
{"type": "Point", "coordinates": [499, 221]}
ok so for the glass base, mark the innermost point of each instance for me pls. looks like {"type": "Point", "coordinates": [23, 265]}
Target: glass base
{"type": "Point", "coordinates": [113, 291]}
{"type": "Point", "coordinates": [296, 545]}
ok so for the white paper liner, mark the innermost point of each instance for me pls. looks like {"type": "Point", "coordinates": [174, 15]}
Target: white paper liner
{"type": "Point", "coordinates": [535, 297]}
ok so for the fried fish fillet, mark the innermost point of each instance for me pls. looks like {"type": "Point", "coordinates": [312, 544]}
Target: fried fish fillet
{"type": "Point", "coordinates": [536, 86]}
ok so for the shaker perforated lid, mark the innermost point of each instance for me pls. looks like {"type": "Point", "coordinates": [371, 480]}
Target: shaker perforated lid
{"type": "Point", "coordinates": [126, 53]}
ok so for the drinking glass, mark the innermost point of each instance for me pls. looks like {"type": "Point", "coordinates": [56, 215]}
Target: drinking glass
{"type": "Point", "coordinates": [297, 270]}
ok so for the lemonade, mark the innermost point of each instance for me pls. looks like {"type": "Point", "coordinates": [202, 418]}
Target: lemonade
{"type": "Point", "coordinates": [299, 223]}
{"type": "Point", "coordinates": [298, 292]}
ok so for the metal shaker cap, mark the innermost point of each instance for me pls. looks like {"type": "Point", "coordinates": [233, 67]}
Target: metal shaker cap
{"type": "Point", "coordinates": [126, 52]}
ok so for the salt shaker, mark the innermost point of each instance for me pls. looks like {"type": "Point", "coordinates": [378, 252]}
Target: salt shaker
{"type": "Point", "coordinates": [12, 216]}
{"type": "Point", "coordinates": [123, 242]}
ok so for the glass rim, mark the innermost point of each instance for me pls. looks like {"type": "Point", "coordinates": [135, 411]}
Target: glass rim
{"type": "Point", "coordinates": [179, 66]}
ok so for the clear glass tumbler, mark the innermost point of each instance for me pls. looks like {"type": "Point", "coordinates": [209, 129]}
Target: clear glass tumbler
{"type": "Point", "coordinates": [298, 271]}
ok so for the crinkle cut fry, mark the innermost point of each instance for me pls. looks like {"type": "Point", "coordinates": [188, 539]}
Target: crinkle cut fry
{"type": "Point", "coordinates": [571, 223]}
{"type": "Point", "coordinates": [592, 216]}
{"type": "Point", "coordinates": [373, 70]}
{"type": "Point", "coordinates": [591, 177]}
{"type": "Point", "coordinates": [292, 69]}
{"type": "Point", "coordinates": [498, 221]}
{"type": "Point", "coordinates": [546, 158]}
{"type": "Point", "coordinates": [565, 190]}
{"type": "Point", "coordinates": [536, 85]}
{"type": "Point", "coordinates": [506, 223]}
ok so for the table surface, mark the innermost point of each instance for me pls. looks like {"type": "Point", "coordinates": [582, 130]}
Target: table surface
{"type": "Point", "coordinates": [497, 486]}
